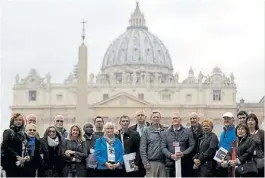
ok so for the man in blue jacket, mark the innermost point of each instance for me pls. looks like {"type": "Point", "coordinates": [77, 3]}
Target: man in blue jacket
{"type": "Point", "coordinates": [228, 136]}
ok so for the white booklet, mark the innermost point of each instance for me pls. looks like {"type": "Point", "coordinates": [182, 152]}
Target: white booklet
{"type": "Point", "coordinates": [129, 162]}
{"type": "Point", "coordinates": [220, 154]}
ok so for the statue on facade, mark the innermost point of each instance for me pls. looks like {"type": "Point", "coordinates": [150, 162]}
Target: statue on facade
{"type": "Point", "coordinates": [91, 78]}
{"type": "Point", "coordinates": [200, 77]}
{"type": "Point", "coordinates": [176, 78]}
{"type": "Point", "coordinates": [17, 79]}
{"type": "Point", "coordinates": [232, 77]}
{"type": "Point", "coordinates": [70, 78]}
{"type": "Point", "coordinates": [98, 78]}
{"type": "Point", "coordinates": [48, 78]}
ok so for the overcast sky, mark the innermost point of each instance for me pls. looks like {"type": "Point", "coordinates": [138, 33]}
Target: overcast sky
{"type": "Point", "coordinates": [45, 35]}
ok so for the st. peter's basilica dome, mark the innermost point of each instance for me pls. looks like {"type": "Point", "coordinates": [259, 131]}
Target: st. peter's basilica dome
{"type": "Point", "coordinates": [137, 50]}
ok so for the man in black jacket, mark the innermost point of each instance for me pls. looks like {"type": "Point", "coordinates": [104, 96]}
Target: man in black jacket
{"type": "Point", "coordinates": [183, 136]}
{"type": "Point", "coordinates": [90, 137]}
{"type": "Point", "coordinates": [141, 123]}
{"type": "Point", "coordinates": [131, 142]}
{"type": "Point", "coordinates": [197, 132]}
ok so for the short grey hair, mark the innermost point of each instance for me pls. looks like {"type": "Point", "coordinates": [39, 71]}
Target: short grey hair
{"type": "Point", "coordinates": [58, 116]}
{"type": "Point", "coordinates": [109, 124]}
{"type": "Point", "coordinates": [31, 115]}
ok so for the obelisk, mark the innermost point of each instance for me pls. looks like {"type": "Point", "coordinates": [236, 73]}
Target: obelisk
{"type": "Point", "coordinates": [82, 84]}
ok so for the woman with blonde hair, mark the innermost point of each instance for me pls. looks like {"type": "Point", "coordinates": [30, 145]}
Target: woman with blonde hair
{"type": "Point", "coordinates": [109, 153]}
{"type": "Point", "coordinates": [74, 153]}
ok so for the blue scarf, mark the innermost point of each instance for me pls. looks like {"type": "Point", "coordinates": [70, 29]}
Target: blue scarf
{"type": "Point", "coordinates": [31, 146]}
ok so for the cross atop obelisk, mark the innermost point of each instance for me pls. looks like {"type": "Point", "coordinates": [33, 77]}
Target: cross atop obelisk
{"type": "Point", "coordinates": [83, 34]}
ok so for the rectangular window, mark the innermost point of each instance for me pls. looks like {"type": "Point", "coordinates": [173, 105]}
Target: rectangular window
{"type": "Point", "coordinates": [141, 96]}
{"type": "Point", "coordinates": [105, 96]}
{"type": "Point", "coordinates": [188, 98]}
{"type": "Point", "coordinates": [59, 97]}
{"type": "Point", "coordinates": [216, 95]}
{"type": "Point", "coordinates": [32, 95]}
{"type": "Point", "coordinates": [166, 97]}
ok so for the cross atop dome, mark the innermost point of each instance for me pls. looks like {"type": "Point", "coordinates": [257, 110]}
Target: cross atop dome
{"type": "Point", "coordinates": [137, 19]}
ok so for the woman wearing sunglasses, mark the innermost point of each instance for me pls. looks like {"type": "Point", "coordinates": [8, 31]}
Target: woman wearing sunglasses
{"type": "Point", "coordinates": [51, 149]}
{"type": "Point", "coordinates": [32, 158]}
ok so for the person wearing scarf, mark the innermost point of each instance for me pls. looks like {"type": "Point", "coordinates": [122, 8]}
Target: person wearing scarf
{"type": "Point", "coordinates": [32, 152]}
{"type": "Point", "coordinates": [205, 151]}
{"type": "Point", "coordinates": [240, 153]}
{"type": "Point", "coordinates": [13, 145]}
{"type": "Point", "coordinates": [51, 147]}
{"type": "Point", "coordinates": [109, 153]}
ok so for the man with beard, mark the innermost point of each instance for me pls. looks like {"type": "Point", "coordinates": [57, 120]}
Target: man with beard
{"type": "Point", "coordinates": [59, 119]}
{"type": "Point", "coordinates": [131, 142]}
{"type": "Point", "coordinates": [90, 137]}
{"type": "Point", "coordinates": [99, 124]}
{"type": "Point", "coordinates": [141, 123]}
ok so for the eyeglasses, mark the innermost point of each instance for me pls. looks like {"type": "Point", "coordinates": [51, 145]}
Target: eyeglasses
{"type": "Point", "coordinates": [32, 130]}
{"type": "Point", "coordinates": [125, 121]}
{"type": "Point", "coordinates": [51, 131]}
{"type": "Point", "coordinates": [59, 121]}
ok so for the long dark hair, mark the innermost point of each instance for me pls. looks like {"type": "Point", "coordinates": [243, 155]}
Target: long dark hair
{"type": "Point", "coordinates": [46, 133]}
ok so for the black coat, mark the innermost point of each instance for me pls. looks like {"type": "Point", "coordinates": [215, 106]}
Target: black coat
{"type": "Point", "coordinates": [131, 142]}
{"type": "Point", "coordinates": [90, 143]}
{"type": "Point", "coordinates": [134, 127]}
{"type": "Point", "coordinates": [244, 150]}
{"type": "Point", "coordinates": [80, 155]}
{"type": "Point", "coordinates": [205, 151]}
{"type": "Point", "coordinates": [12, 147]}
{"type": "Point", "coordinates": [52, 163]}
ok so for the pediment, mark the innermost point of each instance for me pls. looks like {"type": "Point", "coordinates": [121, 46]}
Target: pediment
{"type": "Point", "coordinates": [33, 78]}
{"type": "Point", "coordinates": [122, 99]}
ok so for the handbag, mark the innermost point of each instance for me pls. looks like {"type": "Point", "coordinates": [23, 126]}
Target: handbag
{"type": "Point", "coordinates": [91, 162]}
{"type": "Point", "coordinates": [260, 163]}
{"type": "Point", "coordinates": [248, 167]}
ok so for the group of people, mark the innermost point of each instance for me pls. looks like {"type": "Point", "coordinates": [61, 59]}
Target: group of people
{"type": "Point", "coordinates": [98, 150]}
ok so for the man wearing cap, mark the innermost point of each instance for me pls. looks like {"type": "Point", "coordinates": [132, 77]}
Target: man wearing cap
{"type": "Point", "coordinates": [228, 136]}
{"type": "Point", "coordinates": [176, 134]}
{"type": "Point", "coordinates": [58, 121]}
{"type": "Point", "coordinates": [141, 123]}
{"type": "Point", "coordinates": [32, 119]}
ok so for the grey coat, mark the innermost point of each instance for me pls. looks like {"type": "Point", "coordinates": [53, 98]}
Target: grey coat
{"type": "Point", "coordinates": [150, 145]}
{"type": "Point", "coordinates": [183, 136]}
